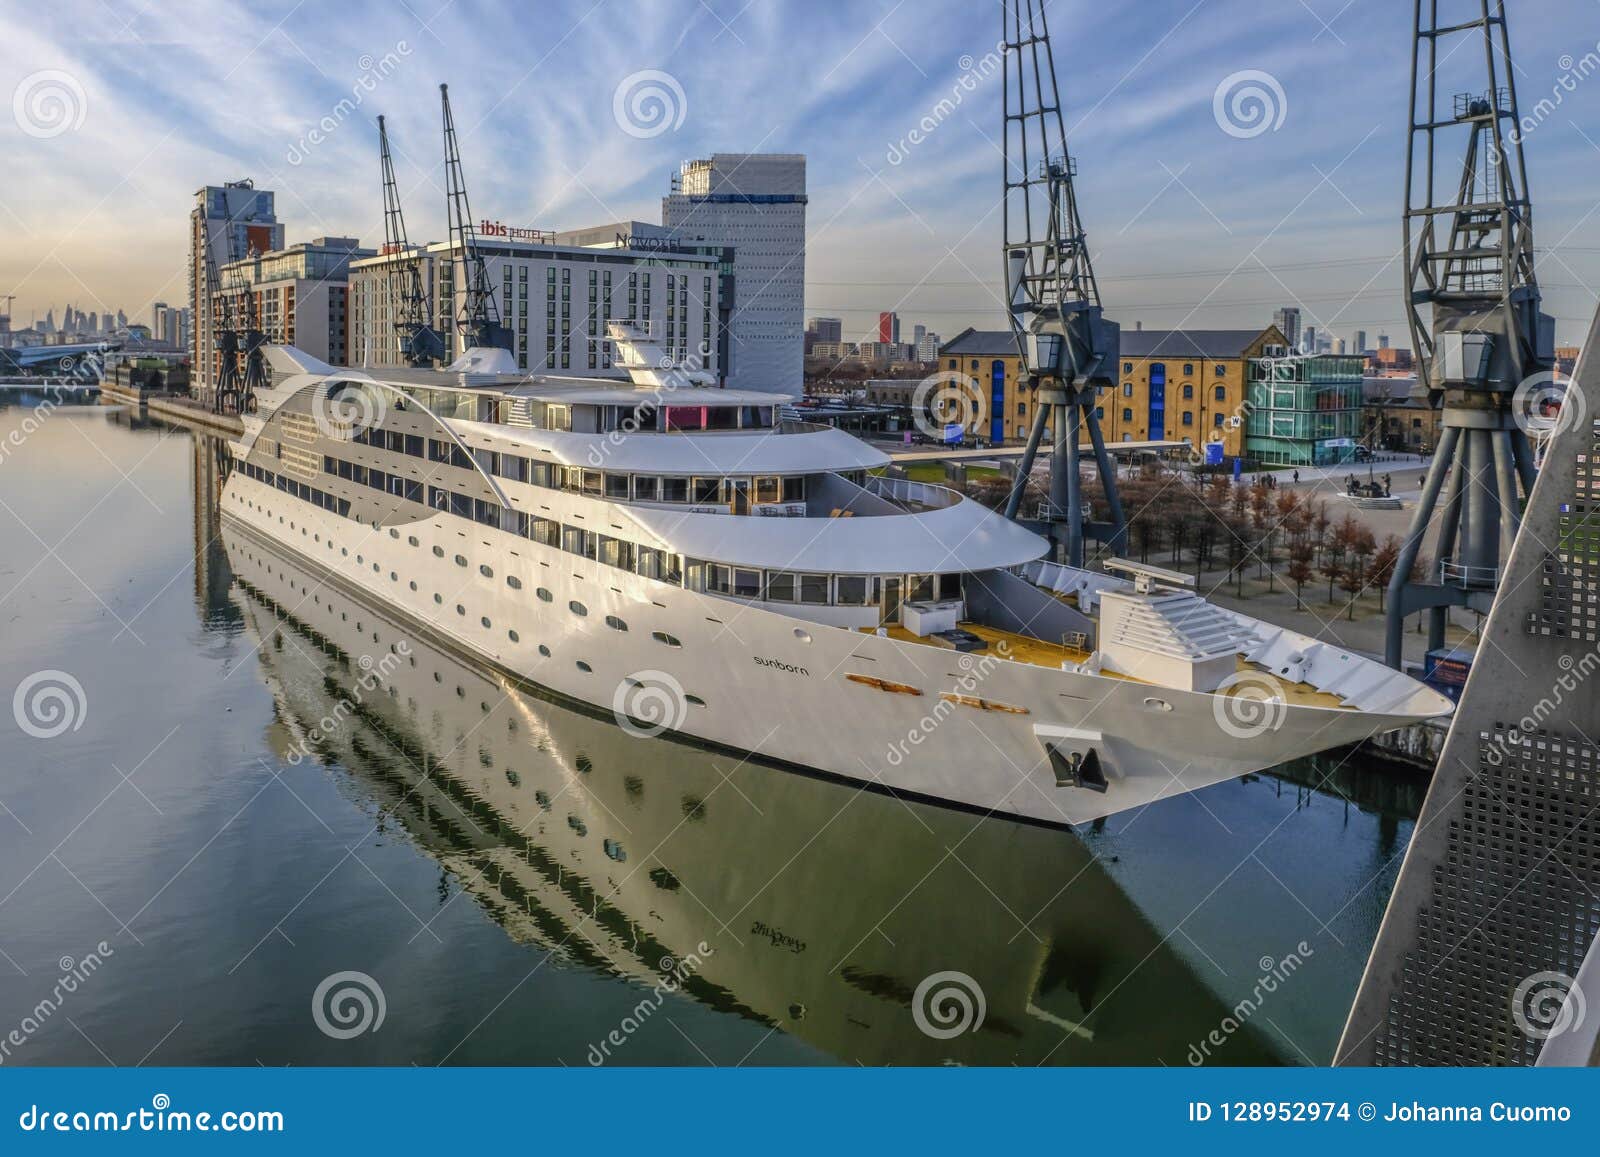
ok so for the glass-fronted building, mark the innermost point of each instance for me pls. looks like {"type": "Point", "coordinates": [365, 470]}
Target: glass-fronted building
{"type": "Point", "coordinates": [1303, 411]}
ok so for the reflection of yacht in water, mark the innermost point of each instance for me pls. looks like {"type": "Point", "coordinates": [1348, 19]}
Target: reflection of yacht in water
{"type": "Point", "coordinates": [824, 907]}
{"type": "Point", "coordinates": [668, 547]}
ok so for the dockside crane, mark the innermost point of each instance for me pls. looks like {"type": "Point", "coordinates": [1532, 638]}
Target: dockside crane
{"type": "Point", "coordinates": [420, 343]}
{"type": "Point", "coordinates": [1484, 347]}
{"type": "Point", "coordinates": [227, 397]}
{"type": "Point", "coordinates": [1068, 349]}
{"type": "Point", "coordinates": [478, 316]}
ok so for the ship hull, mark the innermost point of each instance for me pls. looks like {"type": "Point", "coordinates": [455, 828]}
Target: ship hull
{"type": "Point", "coordinates": [902, 717]}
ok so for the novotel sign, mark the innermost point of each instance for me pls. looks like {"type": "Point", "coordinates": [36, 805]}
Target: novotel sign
{"type": "Point", "coordinates": [488, 228]}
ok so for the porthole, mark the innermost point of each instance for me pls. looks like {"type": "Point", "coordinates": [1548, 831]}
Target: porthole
{"type": "Point", "coordinates": [1158, 705]}
{"type": "Point", "coordinates": [394, 578]}
{"type": "Point", "coordinates": [696, 700]}
{"type": "Point", "coordinates": [663, 637]}
{"type": "Point", "coordinates": [577, 608]}
{"type": "Point", "coordinates": [413, 585]}
{"type": "Point", "coordinates": [484, 570]}
{"type": "Point", "coordinates": [438, 552]}
{"type": "Point", "coordinates": [461, 560]}
{"type": "Point", "coordinates": [439, 600]}
{"type": "Point", "coordinates": [513, 778]}
{"type": "Point", "coordinates": [584, 667]}
{"type": "Point", "coordinates": [485, 621]}
{"type": "Point", "coordinates": [615, 623]}
{"type": "Point", "coordinates": [513, 582]}
{"type": "Point", "coordinates": [802, 634]}
{"type": "Point", "coordinates": [412, 539]}
{"type": "Point", "coordinates": [344, 551]}
{"type": "Point", "coordinates": [393, 533]}
{"type": "Point", "coordinates": [460, 610]}
{"type": "Point", "coordinates": [359, 560]}
{"type": "Point", "coordinates": [544, 595]}
{"type": "Point", "coordinates": [544, 650]}
{"type": "Point", "coordinates": [513, 636]}
{"type": "Point", "coordinates": [376, 569]}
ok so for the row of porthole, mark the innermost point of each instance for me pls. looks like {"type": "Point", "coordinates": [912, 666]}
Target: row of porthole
{"type": "Point", "coordinates": [573, 605]}
{"type": "Point", "coordinates": [577, 608]}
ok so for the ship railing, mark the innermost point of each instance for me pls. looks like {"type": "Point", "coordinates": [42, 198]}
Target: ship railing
{"type": "Point", "coordinates": [913, 496]}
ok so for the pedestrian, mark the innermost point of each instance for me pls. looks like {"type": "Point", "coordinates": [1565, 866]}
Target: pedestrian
{"type": "Point", "coordinates": [1297, 478]}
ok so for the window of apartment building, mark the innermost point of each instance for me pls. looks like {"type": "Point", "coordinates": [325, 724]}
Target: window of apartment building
{"type": "Point", "coordinates": [1221, 393]}
{"type": "Point", "coordinates": [1127, 389]}
{"type": "Point", "coordinates": [1188, 417]}
{"type": "Point", "coordinates": [1127, 415]}
{"type": "Point", "coordinates": [1188, 367]}
{"type": "Point", "coordinates": [1188, 392]}
{"type": "Point", "coordinates": [1219, 371]}
{"type": "Point", "coordinates": [1216, 420]}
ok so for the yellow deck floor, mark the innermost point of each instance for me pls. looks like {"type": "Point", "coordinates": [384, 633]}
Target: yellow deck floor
{"type": "Point", "coordinates": [1052, 655]}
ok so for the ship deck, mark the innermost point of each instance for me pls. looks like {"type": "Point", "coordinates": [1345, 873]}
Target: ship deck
{"type": "Point", "coordinates": [1041, 653]}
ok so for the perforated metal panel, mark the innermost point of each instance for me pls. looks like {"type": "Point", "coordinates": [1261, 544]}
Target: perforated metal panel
{"type": "Point", "coordinates": [1498, 901]}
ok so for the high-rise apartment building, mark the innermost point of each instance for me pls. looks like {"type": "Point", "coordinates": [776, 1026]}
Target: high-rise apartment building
{"type": "Point", "coordinates": [1287, 320]}
{"type": "Point", "coordinates": [235, 220]}
{"type": "Point", "coordinates": [828, 329]}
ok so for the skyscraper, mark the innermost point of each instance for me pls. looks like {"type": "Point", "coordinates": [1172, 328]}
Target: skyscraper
{"type": "Point", "coordinates": [1287, 320]}
{"type": "Point", "coordinates": [754, 203]}
{"type": "Point", "coordinates": [1310, 344]}
{"type": "Point", "coordinates": [888, 327]}
{"type": "Point", "coordinates": [1361, 342]}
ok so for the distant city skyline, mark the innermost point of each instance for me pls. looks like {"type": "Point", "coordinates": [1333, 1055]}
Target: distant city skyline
{"type": "Point", "coordinates": [118, 117]}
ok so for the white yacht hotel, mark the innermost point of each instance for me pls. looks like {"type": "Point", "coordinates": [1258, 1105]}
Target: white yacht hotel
{"type": "Point", "coordinates": [681, 554]}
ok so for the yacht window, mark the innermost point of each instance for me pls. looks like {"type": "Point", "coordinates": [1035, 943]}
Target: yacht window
{"type": "Point", "coordinates": [746, 583]}
{"type": "Point", "coordinates": [794, 489]}
{"type": "Point", "coordinates": [663, 637]}
{"type": "Point", "coordinates": [544, 595]}
{"type": "Point", "coordinates": [920, 588]}
{"type": "Point", "coordinates": [852, 590]}
{"type": "Point", "coordinates": [438, 552]}
{"type": "Point", "coordinates": [814, 589]}
{"type": "Point", "coordinates": [718, 578]}
{"type": "Point", "coordinates": [616, 486]}
{"type": "Point", "coordinates": [558, 416]}
{"type": "Point", "coordinates": [591, 482]}
{"type": "Point", "coordinates": [780, 586]}
{"type": "Point", "coordinates": [540, 473]}
{"type": "Point", "coordinates": [514, 467]}
{"type": "Point", "coordinates": [722, 418]}
{"type": "Point", "coordinates": [768, 488]}
{"type": "Point", "coordinates": [615, 623]}
{"type": "Point", "coordinates": [685, 418]}
{"type": "Point", "coordinates": [647, 562]}
{"type": "Point", "coordinates": [949, 586]}
{"type": "Point", "coordinates": [544, 530]}
{"type": "Point", "coordinates": [674, 569]}
{"type": "Point", "coordinates": [488, 460]}
{"type": "Point", "coordinates": [707, 491]}
{"type": "Point", "coordinates": [513, 582]}
{"type": "Point", "coordinates": [485, 571]}
{"type": "Point", "coordinates": [645, 487]}
{"type": "Point", "coordinates": [461, 560]}
{"type": "Point", "coordinates": [674, 490]}
{"type": "Point", "coordinates": [577, 608]}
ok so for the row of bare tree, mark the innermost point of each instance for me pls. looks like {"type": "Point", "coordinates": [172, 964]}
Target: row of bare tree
{"type": "Point", "coordinates": [1216, 525]}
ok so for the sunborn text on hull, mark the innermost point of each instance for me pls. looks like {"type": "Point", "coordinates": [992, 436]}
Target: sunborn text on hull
{"type": "Point", "coordinates": [685, 556]}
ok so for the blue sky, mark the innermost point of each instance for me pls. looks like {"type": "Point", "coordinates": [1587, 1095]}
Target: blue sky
{"type": "Point", "coordinates": [1191, 225]}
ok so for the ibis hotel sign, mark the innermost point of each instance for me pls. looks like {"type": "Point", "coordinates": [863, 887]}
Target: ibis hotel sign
{"type": "Point", "coordinates": [487, 228]}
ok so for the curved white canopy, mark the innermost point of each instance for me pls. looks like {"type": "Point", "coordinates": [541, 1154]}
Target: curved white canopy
{"type": "Point", "coordinates": [967, 536]}
{"type": "Point", "coordinates": [729, 452]}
